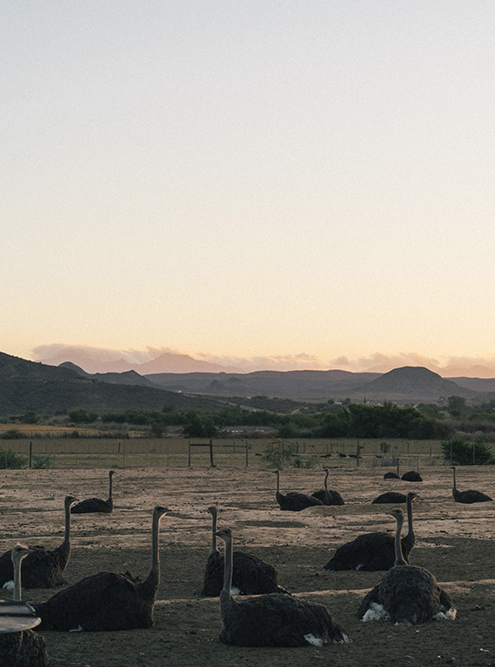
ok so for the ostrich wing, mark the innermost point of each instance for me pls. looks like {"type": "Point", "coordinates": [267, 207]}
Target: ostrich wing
{"type": "Point", "coordinates": [104, 601]}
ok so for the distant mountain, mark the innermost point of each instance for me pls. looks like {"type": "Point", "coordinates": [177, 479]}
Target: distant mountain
{"type": "Point", "coordinates": [181, 363]}
{"type": "Point", "coordinates": [28, 385]}
{"type": "Point", "coordinates": [477, 371]}
{"type": "Point", "coordinates": [413, 383]}
{"type": "Point", "coordinates": [298, 385]}
{"type": "Point", "coordinates": [164, 363]}
{"type": "Point", "coordinates": [73, 367]}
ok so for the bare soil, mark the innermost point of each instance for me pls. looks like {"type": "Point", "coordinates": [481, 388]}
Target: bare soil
{"type": "Point", "coordinates": [454, 541]}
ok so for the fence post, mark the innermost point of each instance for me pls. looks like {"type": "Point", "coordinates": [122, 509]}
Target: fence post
{"type": "Point", "coordinates": [189, 456]}
{"type": "Point", "coordinates": [30, 455]}
{"type": "Point", "coordinates": [247, 455]}
{"type": "Point", "coordinates": [358, 453]}
{"type": "Point", "coordinates": [211, 454]}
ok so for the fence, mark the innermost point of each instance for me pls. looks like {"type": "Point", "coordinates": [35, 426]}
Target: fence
{"type": "Point", "coordinates": [180, 452]}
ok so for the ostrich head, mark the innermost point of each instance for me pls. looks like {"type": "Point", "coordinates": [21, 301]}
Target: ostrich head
{"type": "Point", "coordinates": [19, 552]}
{"type": "Point", "coordinates": [70, 500]}
{"type": "Point", "coordinates": [397, 514]}
{"type": "Point", "coordinates": [224, 533]}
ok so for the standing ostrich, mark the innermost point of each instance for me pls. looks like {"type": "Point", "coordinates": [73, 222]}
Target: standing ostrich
{"type": "Point", "coordinates": [96, 504]}
{"type": "Point", "coordinates": [26, 648]}
{"type": "Point", "coordinates": [272, 620]}
{"type": "Point", "coordinates": [470, 496]}
{"type": "Point", "coordinates": [389, 497]}
{"type": "Point", "coordinates": [393, 475]}
{"type": "Point", "coordinates": [373, 551]}
{"type": "Point", "coordinates": [42, 568]}
{"type": "Point", "coordinates": [413, 475]}
{"type": "Point", "coordinates": [293, 501]}
{"type": "Point", "coordinates": [250, 576]}
{"type": "Point", "coordinates": [107, 600]}
{"type": "Point", "coordinates": [406, 594]}
{"type": "Point", "coordinates": [328, 497]}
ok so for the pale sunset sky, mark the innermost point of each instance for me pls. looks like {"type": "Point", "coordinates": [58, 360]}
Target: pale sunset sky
{"type": "Point", "coordinates": [240, 180]}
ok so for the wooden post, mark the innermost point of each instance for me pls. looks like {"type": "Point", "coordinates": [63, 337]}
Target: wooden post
{"type": "Point", "coordinates": [247, 455]}
{"type": "Point", "coordinates": [431, 453]}
{"type": "Point", "coordinates": [189, 456]}
{"type": "Point", "coordinates": [30, 455]}
{"type": "Point", "coordinates": [211, 454]}
{"type": "Point", "coordinates": [358, 453]}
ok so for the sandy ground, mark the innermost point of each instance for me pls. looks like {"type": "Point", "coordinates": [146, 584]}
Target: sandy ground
{"type": "Point", "coordinates": [454, 541]}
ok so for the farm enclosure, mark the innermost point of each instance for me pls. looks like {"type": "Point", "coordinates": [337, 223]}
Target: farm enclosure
{"type": "Point", "coordinates": [454, 541]}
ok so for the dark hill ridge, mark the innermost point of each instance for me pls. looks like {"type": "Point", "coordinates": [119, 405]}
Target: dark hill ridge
{"type": "Point", "coordinates": [415, 383]}
{"type": "Point", "coordinates": [26, 385]}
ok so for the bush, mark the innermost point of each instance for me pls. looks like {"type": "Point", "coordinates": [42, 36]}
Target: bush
{"type": "Point", "coordinates": [11, 434]}
{"type": "Point", "coordinates": [278, 453]}
{"type": "Point", "coordinates": [42, 462]}
{"type": "Point", "coordinates": [460, 452]}
{"type": "Point", "coordinates": [305, 461]}
{"type": "Point", "coordinates": [9, 460]}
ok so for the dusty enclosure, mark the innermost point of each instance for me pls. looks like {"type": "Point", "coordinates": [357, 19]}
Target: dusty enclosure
{"type": "Point", "coordinates": [454, 541]}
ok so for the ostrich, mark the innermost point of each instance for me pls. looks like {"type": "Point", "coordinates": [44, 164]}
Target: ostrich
{"type": "Point", "coordinates": [251, 576]}
{"type": "Point", "coordinates": [406, 594]}
{"type": "Point", "coordinates": [389, 497]}
{"type": "Point", "coordinates": [271, 620]}
{"type": "Point", "coordinates": [413, 475]}
{"type": "Point", "coordinates": [328, 497]}
{"type": "Point", "coordinates": [26, 648]}
{"type": "Point", "coordinates": [294, 501]}
{"type": "Point", "coordinates": [107, 600]}
{"type": "Point", "coordinates": [96, 504]}
{"type": "Point", "coordinates": [373, 551]}
{"type": "Point", "coordinates": [468, 496]}
{"type": "Point", "coordinates": [42, 569]}
{"type": "Point", "coordinates": [393, 475]}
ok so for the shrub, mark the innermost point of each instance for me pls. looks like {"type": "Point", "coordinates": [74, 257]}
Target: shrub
{"type": "Point", "coordinates": [278, 453]}
{"type": "Point", "coordinates": [42, 462]}
{"type": "Point", "coordinates": [460, 452]}
{"type": "Point", "coordinates": [11, 434]}
{"type": "Point", "coordinates": [9, 460]}
{"type": "Point", "coordinates": [305, 461]}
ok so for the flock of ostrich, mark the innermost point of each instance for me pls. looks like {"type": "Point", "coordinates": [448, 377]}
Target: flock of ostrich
{"type": "Point", "coordinates": [114, 601]}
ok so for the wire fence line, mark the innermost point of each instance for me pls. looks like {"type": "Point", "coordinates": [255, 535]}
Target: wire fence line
{"type": "Point", "coordinates": [181, 452]}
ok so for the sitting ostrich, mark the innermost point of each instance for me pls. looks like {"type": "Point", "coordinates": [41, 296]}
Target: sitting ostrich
{"type": "Point", "coordinates": [413, 475]}
{"type": "Point", "coordinates": [42, 568]}
{"type": "Point", "coordinates": [107, 600]}
{"type": "Point", "coordinates": [469, 496]}
{"type": "Point", "coordinates": [25, 648]}
{"type": "Point", "coordinates": [272, 620]}
{"type": "Point", "coordinates": [293, 501]}
{"type": "Point", "coordinates": [393, 475]}
{"type": "Point", "coordinates": [374, 551]}
{"type": "Point", "coordinates": [250, 576]}
{"type": "Point", "coordinates": [96, 504]}
{"type": "Point", "coordinates": [406, 594]}
{"type": "Point", "coordinates": [389, 497]}
{"type": "Point", "coordinates": [326, 496]}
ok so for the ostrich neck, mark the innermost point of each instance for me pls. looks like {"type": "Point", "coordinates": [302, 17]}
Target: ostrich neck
{"type": "Point", "coordinates": [226, 598]}
{"type": "Point", "coordinates": [110, 488]}
{"type": "Point", "coordinates": [150, 586]}
{"type": "Point", "coordinates": [455, 485]}
{"type": "Point", "coordinates": [214, 549]}
{"type": "Point", "coordinates": [397, 467]}
{"type": "Point", "coordinates": [399, 558]}
{"type": "Point", "coordinates": [67, 525]}
{"type": "Point", "coordinates": [410, 518]}
{"type": "Point", "coordinates": [17, 579]}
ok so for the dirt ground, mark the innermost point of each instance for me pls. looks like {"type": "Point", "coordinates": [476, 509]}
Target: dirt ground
{"type": "Point", "coordinates": [454, 541]}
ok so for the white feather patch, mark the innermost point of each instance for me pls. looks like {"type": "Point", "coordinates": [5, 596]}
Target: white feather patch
{"type": "Point", "coordinates": [78, 629]}
{"type": "Point", "coordinates": [235, 591]}
{"type": "Point", "coordinates": [376, 612]}
{"type": "Point", "coordinates": [9, 586]}
{"type": "Point", "coordinates": [448, 615]}
{"type": "Point", "coordinates": [314, 641]}
{"type": "Point", "coordinates": [345, 639]}
{"type": "Point", "coordinates": [360, 566]}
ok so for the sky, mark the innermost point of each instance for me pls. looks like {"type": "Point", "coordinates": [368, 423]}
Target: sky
{"type": "Point", "coordinates": [275, 179]}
